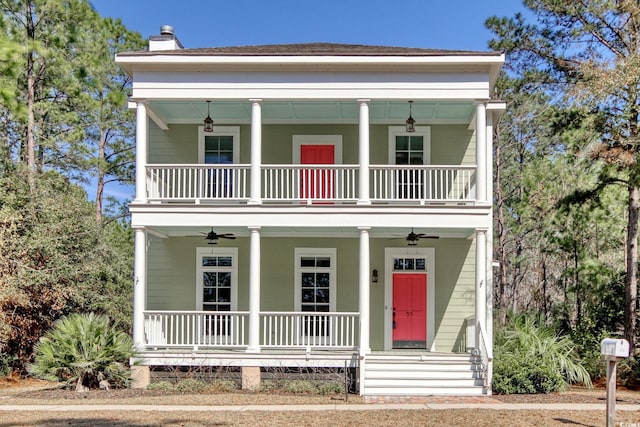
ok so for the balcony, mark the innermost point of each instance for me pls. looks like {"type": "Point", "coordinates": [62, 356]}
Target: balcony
{"type": "Point", "coordinates": [388, 184]}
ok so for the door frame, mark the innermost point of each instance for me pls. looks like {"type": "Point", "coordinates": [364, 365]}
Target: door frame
{"type": "Point", "coordinates": [389, 255]}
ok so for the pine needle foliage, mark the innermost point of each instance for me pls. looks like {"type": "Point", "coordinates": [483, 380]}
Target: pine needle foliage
{"type": "Point", "coordinates": [533, 358]}
{"type": "Point", "coordinates": [84, 350]}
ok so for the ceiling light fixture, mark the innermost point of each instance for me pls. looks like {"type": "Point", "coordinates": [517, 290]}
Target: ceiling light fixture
{"type": "Point", "coordinates": [208, 122]}
{"type": "Point", "coordinates": [410, 123]}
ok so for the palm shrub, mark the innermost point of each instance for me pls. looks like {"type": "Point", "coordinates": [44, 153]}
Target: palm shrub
{"type": "Point", "coordinates": [85, 350]}
{"type": "Point", "coordinates": [531, 358]}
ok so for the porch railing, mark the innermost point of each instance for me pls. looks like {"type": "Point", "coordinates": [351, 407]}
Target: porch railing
{"type": "Point", "coordinates": [296, 329]}
{"type": "Point", "coordinates": [423, 183]}
{"type": "Point", "coordinates": [167, 329]}
{"type": "Point", "coordinates": [195, 328]}
{"type": "Point", "coordinates": [311, 183]}
{"type": "Point", "coordinates": [197, 182]}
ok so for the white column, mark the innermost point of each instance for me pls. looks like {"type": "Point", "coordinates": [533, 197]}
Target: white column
{"type": "Point", "coordinates": [254, 290]}
{"type": "Point", "coordinates": [139, 286]}
{"type": "Point", "coordinates": [255, 197]}
{"type": "Point", "coordinates": [363, 156]}
{"type": "Point", "coordinates": [489, 258]}
{"type": "Point", "coordinates": [481, 152]}
{"type": "Point", "coordinates": [481, 283]}
{"type": "Point", "coordinates": [363, 290]}
{"type": "Point", "coordinates": [142, 130]}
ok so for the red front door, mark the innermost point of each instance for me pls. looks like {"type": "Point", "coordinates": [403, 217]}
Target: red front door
{"type": "Point", "coordinates": [409, 311]}
{"type": "Point", "coordinates": [317, 183]}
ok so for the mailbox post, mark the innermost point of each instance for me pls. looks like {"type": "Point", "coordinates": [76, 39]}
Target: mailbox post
{"type": "Point", "coordinates": [612, 350]}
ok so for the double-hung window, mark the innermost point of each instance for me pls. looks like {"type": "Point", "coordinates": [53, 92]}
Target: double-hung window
{"type": "Point", "coordinates": [315, 284]}
{"type": "Point", "coordinates": [217, 286]}
{"type": "Point", "coordinates": [219, 149]}
{"type": "Point", "coordinates": [413, 151]}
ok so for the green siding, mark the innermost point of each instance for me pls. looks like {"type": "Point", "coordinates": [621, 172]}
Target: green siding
{"type": "Point", "coordinates": [178, 144]}
{"type": "Point", "coordinates": [450, 144]}
{"type": "Point", "coordinates": [172, 268]}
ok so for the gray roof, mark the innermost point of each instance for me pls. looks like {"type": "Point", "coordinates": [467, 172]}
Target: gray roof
{"type": "Point", "coordinates": [311, 49]}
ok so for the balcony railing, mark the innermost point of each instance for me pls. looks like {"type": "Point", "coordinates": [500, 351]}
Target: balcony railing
{"type": "Point", "coordinates": [423, 183]}
{"type": "Point", "coordinates": [318, 183]}
{"type": "Point", "coordinates": [312, 183]}
{"type": "Point", "coordinates": [193, 329]}
{"type": "Point", "coordinates": [197, 182]}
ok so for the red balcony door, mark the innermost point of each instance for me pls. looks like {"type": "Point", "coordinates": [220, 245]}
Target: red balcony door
{"type": "Point", "coordinates": [409, 311]}
{"type": "Point", "coordinates": [317, 183]}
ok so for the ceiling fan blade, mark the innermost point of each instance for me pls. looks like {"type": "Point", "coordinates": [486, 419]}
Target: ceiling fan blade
{"type": "Point", "coordinates": [227, 236]}
{"type": "Point", "coordinates": [428, 236]}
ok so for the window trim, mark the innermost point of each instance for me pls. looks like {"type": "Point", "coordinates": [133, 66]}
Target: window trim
{"type": "Point", "coordinates": [207, 251]}
{"type": "Point", "coordinates": [305, 252]}
{"type": "Point", "coordinates": [424, 131]}
{"type": "Point", "coordinates": [233, 131]}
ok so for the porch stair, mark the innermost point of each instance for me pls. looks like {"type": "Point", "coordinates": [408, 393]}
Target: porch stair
{"type": "Point", "coordinates": [423, 374]}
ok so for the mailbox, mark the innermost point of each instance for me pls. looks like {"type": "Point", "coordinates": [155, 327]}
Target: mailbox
{"type": "Point", "coordinates": [612, 348]}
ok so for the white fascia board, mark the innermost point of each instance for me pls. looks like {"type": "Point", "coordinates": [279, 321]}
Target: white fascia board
{"type": "Point", "coordinates": [443, 218]}
{"type": "Point", "coordinates": [311, 94]}
{"type": "Point", "coordinates": [132, 64]}
{"type": "Point", "coordinates": [290, 59]}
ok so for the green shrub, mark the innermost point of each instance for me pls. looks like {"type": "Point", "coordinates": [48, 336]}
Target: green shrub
{"type": "Point", "coordinates": [268, 385]}
{"type": "Point", "coordinates": [529, 358]}
{"type": "Point", "coordinates": [223, 385]}
{"type": "Point", "coordinates": [629, 372]}
{"type": "Point", "coordinates": [298, 386]}
{"type": "Point", "coordinates": [161, 386]}
{"type": "Point", "coordinates": [190, 385]}
{"type": "Point", "coordinates": [6, 364]}
{"type": "Point", "coordinates": [514, 374]}
{"type": "Point", "coordinates": [334, 387]}
{"type": "Point", "coordinates": [85, 350]}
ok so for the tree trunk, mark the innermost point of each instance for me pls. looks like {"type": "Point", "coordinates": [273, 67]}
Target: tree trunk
{"type": "Point", "coordinates": [631, 278]}
{"type": "Point", "coordinates": [501, 297]}
{"type": "Point", "coordinates": [100, 184]}
{"type": "Point", "coordinates": [31, 96]}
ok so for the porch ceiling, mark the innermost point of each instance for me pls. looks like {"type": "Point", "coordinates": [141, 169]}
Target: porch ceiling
{"type": "Point", "coordinates": [335, 112]}
{"type": "Point", "coordinates": [339, 232]}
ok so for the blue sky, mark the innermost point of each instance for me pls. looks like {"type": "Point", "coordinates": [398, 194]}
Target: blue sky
{"type": "Point", "coordinates": [441, 24]}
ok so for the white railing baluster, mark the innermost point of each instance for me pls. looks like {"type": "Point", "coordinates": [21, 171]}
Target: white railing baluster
{"type": "Point", "coordinates": [322, 183]}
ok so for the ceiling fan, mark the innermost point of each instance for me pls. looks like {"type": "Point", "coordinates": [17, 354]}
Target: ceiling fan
{"type": "Point", "coordinates": [412, 238]}
{"type": "Point", "coordinates": [213, 237]}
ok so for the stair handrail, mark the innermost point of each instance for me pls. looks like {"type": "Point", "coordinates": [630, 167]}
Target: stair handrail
{"type": "Point", "coordinates": [486, 354]}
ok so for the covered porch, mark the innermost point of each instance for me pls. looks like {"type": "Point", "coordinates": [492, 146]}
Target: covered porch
{"type": "Point", "coordinates": [271, 316]}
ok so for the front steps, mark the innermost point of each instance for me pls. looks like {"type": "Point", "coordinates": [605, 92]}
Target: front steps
{"type": "Point", "coordinates": [422, 374]}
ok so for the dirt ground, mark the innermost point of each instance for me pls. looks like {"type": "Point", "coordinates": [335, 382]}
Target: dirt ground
{"type": "Point", "coordinates": [38, 392]}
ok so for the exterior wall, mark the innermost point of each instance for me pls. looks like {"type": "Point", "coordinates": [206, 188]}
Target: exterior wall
{"type": "Point", "coordinates": [450, 144]}
{"type": "Point", "coordinates": [172, 269]}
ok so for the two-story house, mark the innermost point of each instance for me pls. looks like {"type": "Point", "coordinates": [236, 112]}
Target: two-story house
{"type": "Point", "coordinates": [315, 205]}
